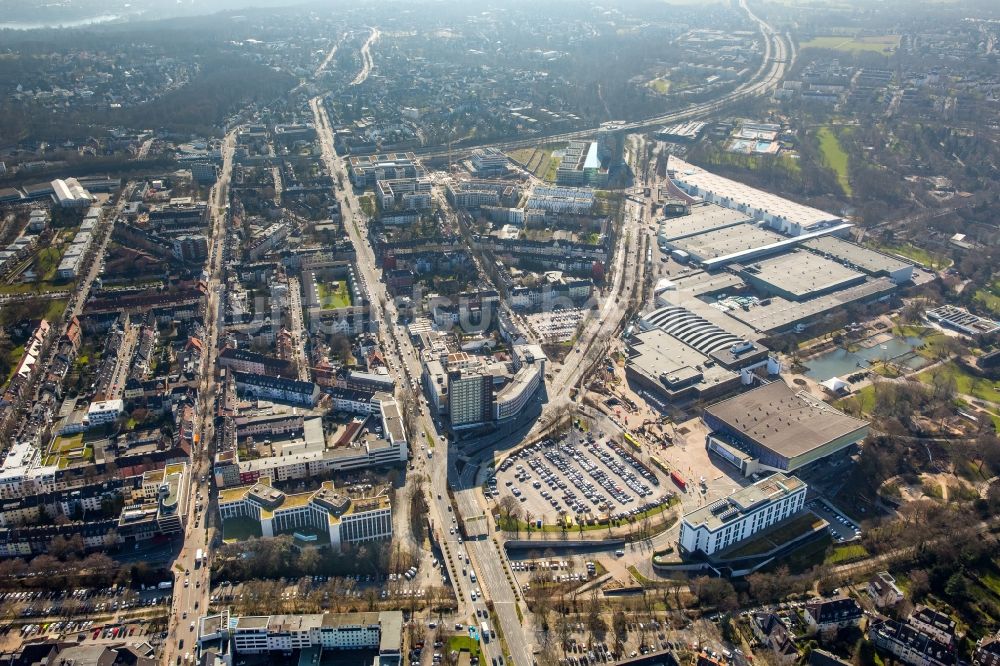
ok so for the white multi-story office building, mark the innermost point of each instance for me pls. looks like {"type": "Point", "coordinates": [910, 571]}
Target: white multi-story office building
{"type": "Point", "coordinates": [101, 412]}
{"type": "Point", "coordinates": [742, 514]}
{"type": "Point", "coordinates": [324, 515]}
{"type": "Point", "coordinates": [263, 634]}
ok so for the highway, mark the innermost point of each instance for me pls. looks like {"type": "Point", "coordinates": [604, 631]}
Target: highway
{"type": "Point", "coordinates": [366, 58]}
{"type": "Point", "coordinates": [778, 57]}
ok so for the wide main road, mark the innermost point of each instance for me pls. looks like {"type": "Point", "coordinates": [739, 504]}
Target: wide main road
{"type": "Point", "coordinates": [404, 361]}
{"type": "Point", "coordinates": [776, 61]}
{"type": "Point", "coordinates": [192, 582]}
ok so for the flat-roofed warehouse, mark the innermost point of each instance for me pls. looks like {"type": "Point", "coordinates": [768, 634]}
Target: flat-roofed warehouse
{"type": "Point", "coordinates": [779, 314]}
{"type": "Point", "coordinates": [660, 362]}
{"type": "Point", "coordinates": [703, 217]}
{"type": "Point", "coordinates": [727, 241]}
{"type": "Point", "coordinates": [779, 429]}
{"type": "Point", "coordinates": [798, 275]}
{"type": "Point", "coordinates": [782, 214]}
{"type": "Point", "coordinates": [862, 258]}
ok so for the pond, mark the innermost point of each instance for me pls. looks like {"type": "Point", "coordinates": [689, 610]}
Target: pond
{"type": "Point", "coordinates": [840, 362]}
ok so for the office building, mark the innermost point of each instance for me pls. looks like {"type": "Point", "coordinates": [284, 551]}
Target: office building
{"type": "Point", "coordinates": [158, 506]}
{"type": "Point", "coordinates": [102, 412]}
{"type": "Point", "coordinates": [191, 248]}
{"type": "Point", "coordinates": [581, 165]}
{"type": "Point", "coordinates": [480, 193]}
{"type": "Point", "coordinates": [323, 517]}
{"type": "Point", "coordinates": [470, 398]}
{"type": "Point", "coordinates": [298, 449]}
{"type": "Point", "coordinates": [204, 173]}
{"type": "Point", "coordinates": [404, 193]}
{"type": "Point", "coordinates": [741, 515]}
{"type": "Point", "coordinates": [366, 170]}
{"type": "Point", "coordinates": [611, 144]}
{"type": "Point", "coordinates": [381, 631]}
{"type": "Point", "coordinates": [489, 162]}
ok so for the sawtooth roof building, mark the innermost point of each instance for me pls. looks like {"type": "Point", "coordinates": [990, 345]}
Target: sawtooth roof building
{"type": "Point", "coordinates": [680, 355]}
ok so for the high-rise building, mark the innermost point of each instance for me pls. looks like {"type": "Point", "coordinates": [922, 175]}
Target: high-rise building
{"type": "Point", "coordinates": [470, 398]}
{"type": "Point", "coordinates": [611, 143]}
{"type": "Point", "coordinates": [190, 248]}
{"type": "Point", "coordinates": [204, 172]}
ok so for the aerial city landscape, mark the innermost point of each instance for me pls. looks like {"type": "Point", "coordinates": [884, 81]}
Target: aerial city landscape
{"type": "Point", "coordinates": [658, 333]}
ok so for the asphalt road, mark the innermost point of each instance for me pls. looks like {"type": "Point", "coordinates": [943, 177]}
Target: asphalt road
{"type": "Point", "coordinates": [626, 275]}
{"type": "Point", "coordinates": [191, 583]}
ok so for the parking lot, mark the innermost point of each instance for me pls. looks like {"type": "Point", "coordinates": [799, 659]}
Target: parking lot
{"type": "Point", "coordinates": [583, 476]}
{"type": "Point", "coordinates": [558, 326]}
{"type": "Point", "coordinates": [841, 527]}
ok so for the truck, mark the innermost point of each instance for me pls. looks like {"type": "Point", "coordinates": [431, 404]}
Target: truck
{"type": "Point", "coordinates": [484, 631]}
{"type": "Point", "coordinates": [681, 482]}
{"type": "Point", "coordinates": [165, 585]}
{"type": "Point", "coordinates": [199, 556]}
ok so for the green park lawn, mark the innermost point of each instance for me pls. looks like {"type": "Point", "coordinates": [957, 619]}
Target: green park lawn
{"type": "Point", "coordinates": [965, 383]}
{"type": "Point", "coordinates": [873, 44]}
{"type": "Point", "coordinates": [834, 156]}
{"type": "Point", "coordinates": [334, 295]}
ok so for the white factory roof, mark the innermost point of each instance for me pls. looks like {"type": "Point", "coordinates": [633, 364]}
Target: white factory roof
{"type": "Point", "coordinates": [749, 198]}
{"type": "Point", "coordinates": [69, 190]}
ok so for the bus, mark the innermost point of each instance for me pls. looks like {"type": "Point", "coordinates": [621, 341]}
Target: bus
{"type": "Point", "coordinates": [659, 464]}
{"type": "Point", "coordinates": [633, 442]}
